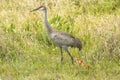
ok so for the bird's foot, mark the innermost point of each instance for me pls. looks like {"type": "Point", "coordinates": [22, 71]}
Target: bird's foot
{"type": "Point", "coordinates": [61, 60]}
{"type": "Point", "coordinates": [72, 60]}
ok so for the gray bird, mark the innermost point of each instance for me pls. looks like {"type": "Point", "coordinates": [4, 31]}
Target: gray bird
{"type": "Point", "coordinates": [62, 39]}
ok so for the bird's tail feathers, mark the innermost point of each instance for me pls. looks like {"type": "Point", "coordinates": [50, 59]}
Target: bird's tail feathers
{"type": "Point", "coordinates": [78, 44]}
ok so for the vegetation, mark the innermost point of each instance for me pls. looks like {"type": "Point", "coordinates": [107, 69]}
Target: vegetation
{"type": "Point", "coordinates": [26, 53]}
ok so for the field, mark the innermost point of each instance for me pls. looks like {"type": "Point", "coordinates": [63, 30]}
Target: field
{"type": "Point", "coordinates": [26, 53]}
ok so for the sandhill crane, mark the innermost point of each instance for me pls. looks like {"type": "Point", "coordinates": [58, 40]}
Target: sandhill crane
{"type": "Point", "coordinates": [62, 39]}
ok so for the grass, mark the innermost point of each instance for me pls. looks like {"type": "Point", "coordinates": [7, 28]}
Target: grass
{"type": "Point", "coordinates": [26, 53]}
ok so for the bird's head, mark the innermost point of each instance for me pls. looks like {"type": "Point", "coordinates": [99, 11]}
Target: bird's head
{"type": "Point", "coordinates": [39, 8]}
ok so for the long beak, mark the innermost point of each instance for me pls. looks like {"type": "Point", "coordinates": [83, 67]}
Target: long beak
{"type": "Point", "coordinates": [35, 9]}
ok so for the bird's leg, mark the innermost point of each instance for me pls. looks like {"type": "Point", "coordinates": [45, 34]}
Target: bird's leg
{"type": "Point", "coordinates": [61, 54]}
{"type": "Point", "coordinates": [70, 55]}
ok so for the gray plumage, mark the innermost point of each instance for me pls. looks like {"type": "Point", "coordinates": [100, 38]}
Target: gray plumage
{"type": "Point", "coordinates": [62, 39]}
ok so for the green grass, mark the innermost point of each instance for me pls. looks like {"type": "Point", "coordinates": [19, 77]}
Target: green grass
{"type": "Point", "coordinates": [26, 53]}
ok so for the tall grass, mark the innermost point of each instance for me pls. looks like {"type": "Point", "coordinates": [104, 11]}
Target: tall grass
{"type": "Point", "coordinates": [26, 53]}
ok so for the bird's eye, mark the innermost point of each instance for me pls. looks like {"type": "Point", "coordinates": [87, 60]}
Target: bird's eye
{"type": "Point", "coordinates": [40, 6]}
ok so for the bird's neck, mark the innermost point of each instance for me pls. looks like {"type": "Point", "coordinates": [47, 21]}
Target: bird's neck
{"type": "Point", "coordinates": [47, 25]}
